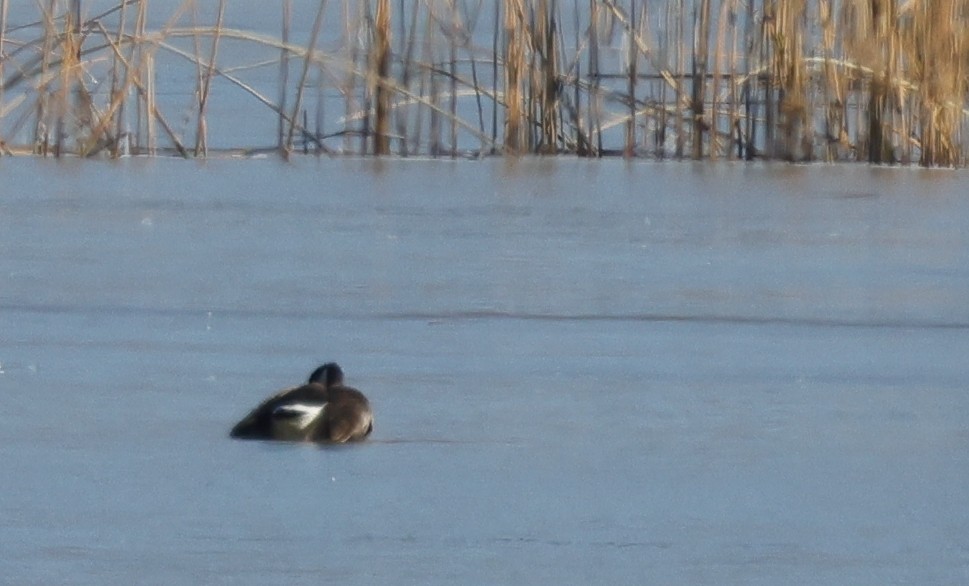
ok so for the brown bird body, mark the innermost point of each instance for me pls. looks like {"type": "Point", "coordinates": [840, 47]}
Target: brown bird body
{"type": "Point", "coordinates": [323, 411]}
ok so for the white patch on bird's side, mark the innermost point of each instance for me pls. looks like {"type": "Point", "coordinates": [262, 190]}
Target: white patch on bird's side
{"type": "Point", "coordinates": [298, 415]}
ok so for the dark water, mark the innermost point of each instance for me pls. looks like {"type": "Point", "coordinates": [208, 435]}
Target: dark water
{"type": "Point", "coordinates": [582, 372]}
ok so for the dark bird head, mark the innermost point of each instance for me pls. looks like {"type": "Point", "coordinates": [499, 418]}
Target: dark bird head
{"type": "Point", "coordinates": [327, 375]}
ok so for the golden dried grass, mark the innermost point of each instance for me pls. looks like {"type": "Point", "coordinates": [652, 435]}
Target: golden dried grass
{"type": "Point", "coordinates": [881, 81]}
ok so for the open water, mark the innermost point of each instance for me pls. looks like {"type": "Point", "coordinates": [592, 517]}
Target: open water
{"type": "Point", "coordinates": [582, 372]}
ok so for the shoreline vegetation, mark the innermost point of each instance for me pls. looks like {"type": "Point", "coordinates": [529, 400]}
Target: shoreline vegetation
{"type": "Point", "coordinates": [877, 81]}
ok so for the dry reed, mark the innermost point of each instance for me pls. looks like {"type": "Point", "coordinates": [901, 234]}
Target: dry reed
{"type": "Point", "coordinates": [881, 81]}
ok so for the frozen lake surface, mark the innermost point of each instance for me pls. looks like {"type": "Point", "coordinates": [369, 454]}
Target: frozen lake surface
{"type": "Point", "coordinates": [582, 372]}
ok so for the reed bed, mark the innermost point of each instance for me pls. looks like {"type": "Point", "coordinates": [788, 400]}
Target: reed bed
{"type": "Point", "coordinates": [880, 81]}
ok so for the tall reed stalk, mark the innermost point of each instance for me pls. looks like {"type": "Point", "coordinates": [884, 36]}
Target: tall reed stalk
{"type": "Point", "coordinates": [516, 135]}
{"type": "Point", "coordinates": [4, 5]}
{"type": "Point", "coordinates": [380, 78]}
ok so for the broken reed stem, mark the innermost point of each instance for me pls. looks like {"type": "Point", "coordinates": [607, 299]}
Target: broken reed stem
{"type": "Point", "coordinates": [99, 137]}
{"type": "Point", "coordinates": [298, 102]}
{"type": "Point", "coordinates": [201, 133]}
{"type": "Point", "coordinates": [283, 140]}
